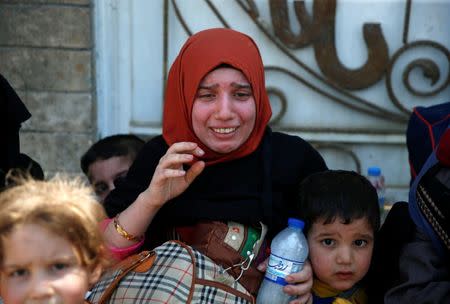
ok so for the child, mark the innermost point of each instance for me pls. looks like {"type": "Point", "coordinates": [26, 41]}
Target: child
{"type": "Point", "coordinates": [51, 247]}
{"type": "Point", "coordinates": [341, 214]}
{"type": "Point", "coordinates": [109, 159]}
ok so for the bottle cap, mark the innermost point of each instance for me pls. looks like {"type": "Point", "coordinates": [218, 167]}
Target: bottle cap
{"type": "Point", "coordinates": [374, 171]}
{"type": "Point", "coordinates": [294, 222]}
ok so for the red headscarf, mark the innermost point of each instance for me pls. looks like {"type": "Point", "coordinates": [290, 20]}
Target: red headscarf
{"type": "Point", "coordinates": [201, 53]}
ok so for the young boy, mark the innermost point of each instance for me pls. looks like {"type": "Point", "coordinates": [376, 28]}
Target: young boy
{"type": "Point", "coordinates": [341, 214]}
{"type": "Point", "coordinates": [51, 247]}
{"type": "Point", "coordinates": [109, 159]}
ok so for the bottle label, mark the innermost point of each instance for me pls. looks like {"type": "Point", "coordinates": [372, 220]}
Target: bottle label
{"type": "Point", "coordinates": [279, 268]}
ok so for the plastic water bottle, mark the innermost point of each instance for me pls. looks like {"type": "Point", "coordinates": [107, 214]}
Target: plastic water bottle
{"type": "Point", "coordinates": [377, 180]}
{"type": "Point", "coordinates": [289, 250]}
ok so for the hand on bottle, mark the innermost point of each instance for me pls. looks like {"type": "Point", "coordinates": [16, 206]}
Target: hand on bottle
{"type": "Point", "coordinates": [300, 283]}
{"type": "Point", "coordinates": [170, 179]}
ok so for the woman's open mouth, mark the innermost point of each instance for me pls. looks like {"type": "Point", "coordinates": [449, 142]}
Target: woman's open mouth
{"type": "Point", "coordinates": [224, 130]}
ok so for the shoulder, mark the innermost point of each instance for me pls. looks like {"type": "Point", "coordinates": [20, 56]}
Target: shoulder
{"type": "Point", "coordinates": [424, 274]}
{"type": "Point", "coordinates": [156, 147]}
{"type": "Point", "coordinates": [295, 148]}
{"type": "Point", "coordinates": [157, 142]}
{"type": "Point", "coordinates": [284, 139]}
{"type": "Point", "coordinates": [148, 158]}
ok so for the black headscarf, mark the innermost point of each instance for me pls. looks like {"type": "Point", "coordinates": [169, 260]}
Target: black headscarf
{"type": "Point", "coordinates": [12, 113]}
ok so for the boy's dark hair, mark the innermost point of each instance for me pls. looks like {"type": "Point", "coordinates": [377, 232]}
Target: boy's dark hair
{"type": "Point", "coordinates": [114, 145]}
{"type": "Point", "coordinates": [338, 193]}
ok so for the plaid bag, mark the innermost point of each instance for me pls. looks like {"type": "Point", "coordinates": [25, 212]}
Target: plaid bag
{"type": "Point", "coordinates": [179, 274]}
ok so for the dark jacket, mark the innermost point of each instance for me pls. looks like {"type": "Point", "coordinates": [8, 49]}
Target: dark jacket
{"type": "Point", "coordinates": [259, 187]}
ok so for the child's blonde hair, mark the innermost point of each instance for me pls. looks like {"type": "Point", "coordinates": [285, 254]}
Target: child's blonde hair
{"type": "Point", "coordinates": [66, 207]}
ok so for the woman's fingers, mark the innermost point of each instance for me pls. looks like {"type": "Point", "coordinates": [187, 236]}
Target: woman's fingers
{"type": "Point", "coordinates": [300, 283]}
{"type": "Point", "coordinates": [172, 161]}
{"type": "Point", "coordinates": [170, 178]}
{"type": "Point", "coordinates": [169, 173]}
{"type": "Point", "coordinates": [185, 147]}
{"type": "Point", "coordinates": [303, 276]}
{"type": "Point", "coordinates": [304, 299]}
{"type": "Point", "coordinates": [300, 289]}
{"type": "Point", "coordinates": [175, 161]}
{"type": "Point", "coordinates": [263, 265]}
{"type": "Point", "coordinates": [194, 171]}
{"type": "Point", "coordinates": [179, 154]}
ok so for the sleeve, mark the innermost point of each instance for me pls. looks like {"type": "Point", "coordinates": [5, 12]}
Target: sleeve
{"type": "Point", "coordinates": [293, 160]}
{"type": "Point", "coordinates": [138, 178]}
{"type": "Point", "coordinates": [313, 162]}
{"type": "Point", "coordinates": [424, 276]}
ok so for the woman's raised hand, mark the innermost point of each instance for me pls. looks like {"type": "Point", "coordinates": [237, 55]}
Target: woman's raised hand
{"type": "Point", "coordinates": [170, 179]}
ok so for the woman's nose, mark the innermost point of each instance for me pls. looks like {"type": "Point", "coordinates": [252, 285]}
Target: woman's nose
{"type": "Point", "coordinates": [224, 110]}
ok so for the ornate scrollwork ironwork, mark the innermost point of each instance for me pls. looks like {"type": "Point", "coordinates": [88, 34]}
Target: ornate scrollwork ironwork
{"type": "Point", "coordinates": [353, 101]}
{"type": "Point", "coordinates": [431, 70]}
{"type": "Point", "coordinates": [280, 20]}
{"type": "Point", "coordinates": [320, 31]}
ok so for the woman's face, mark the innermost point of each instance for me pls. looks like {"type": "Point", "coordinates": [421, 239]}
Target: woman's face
{"type": "Point", "coordinates": [224, 110]}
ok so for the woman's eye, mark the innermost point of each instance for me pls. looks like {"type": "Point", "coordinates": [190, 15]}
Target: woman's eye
{"type": "Point", "coordinates": [328, 242]}
{"type": "Point", "coordinates": [205, 95]}
{"type": "Point", "coordinates": [243, 95]}
{"type": "Point", "coordinates": [360, 243]}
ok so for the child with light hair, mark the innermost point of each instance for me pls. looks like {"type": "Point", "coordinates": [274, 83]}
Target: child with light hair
{"type": "Point", "coordinates": [51, 247]}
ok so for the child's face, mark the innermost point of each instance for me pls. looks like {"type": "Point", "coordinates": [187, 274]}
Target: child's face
{"type": "Point", "coordinates": [42, 267]}
{"type": "Point", "coordinates": [340, 254]}
{"type": "Point", "coordinates": [102, 174]}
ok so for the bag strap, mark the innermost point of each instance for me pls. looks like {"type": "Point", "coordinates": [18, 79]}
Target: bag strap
{"type": "Point", "coordinates": [140, 262]}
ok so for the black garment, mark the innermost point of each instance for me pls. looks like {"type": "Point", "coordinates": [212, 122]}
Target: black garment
{"type": "Point", "coordinates": [22, 167]}
{"type": "Point", "coordinates": [384, 273]}
{"type": "Point", "coordinates": [259, 187]}
{"type": "Point", "coordinates": [12, 113]}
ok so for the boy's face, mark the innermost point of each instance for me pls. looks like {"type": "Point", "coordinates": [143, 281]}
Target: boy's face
{"type": "Point", "coordinates": [41, 267]}
{"type": "Point", "coordinates": [340, 254]}
{"type": "Point", "coordinates": [103, 172]}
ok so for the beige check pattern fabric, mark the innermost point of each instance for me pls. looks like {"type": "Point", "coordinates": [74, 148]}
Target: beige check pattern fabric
{"type": "Point", "coordinates": [180, 274]}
